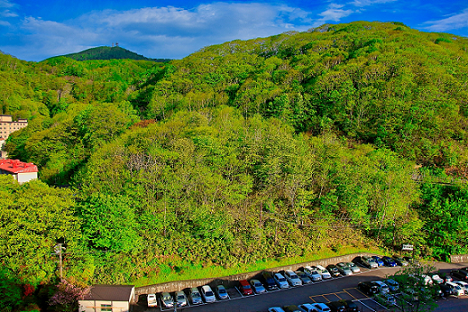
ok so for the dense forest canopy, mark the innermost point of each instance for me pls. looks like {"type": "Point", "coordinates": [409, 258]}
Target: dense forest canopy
{"type": "Point", "coordinates": [344, 136]}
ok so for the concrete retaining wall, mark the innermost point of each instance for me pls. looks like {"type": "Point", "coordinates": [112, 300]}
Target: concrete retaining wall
{"type": "Point", "coordinates": [231, 281]}
{"type": "Point", "coordinates": [458, 258]}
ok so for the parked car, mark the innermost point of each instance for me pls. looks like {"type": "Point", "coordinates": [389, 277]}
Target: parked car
{"type": "Point", "coordinates": [446, 277]}
{"type": "Point", "coordinates": [344, 269]}
{"type": "Point", "coordinates": [313, 273]}
{"type": "Point", "coordinates": [276, 309]}
{"type": "Point", "coordinates": [378, 260]}
{"type": "Point", "coordinates": [291, 308]}
{"type": "Point", "coordinates": [354, 268]}
{"type": "Point", "coordinates": [152, 301]}
{"type": "Point", "coordinates": [245, 288]}
{"type": "Point", "coordinates": [281, 281]}
{"type": "Point", "coordinates": [167, 300]}
{"type": "Point", "coordinates": [400, 261]}
{"type": "Point", "coordinates": [427, 280]}
{"type": "Point", "coordinates": [304, 277]}
{"type": "Point", "coordinates": [436, 278]}
{"type": "Point", "coordinates": [307, 307]}
{"type": "Point", "coordinates": [370, 262]}
{"type": "Point", "coordinates": [292, 278]}
{"type": "Point", "coordinates": [269, 280]}
{"type": "Point", "coordinates": [460, 274]}
{"type": "Point", "coordinates": [180, 299]}
{"type": "Point", "coordinates": [447, 290]}
{"type": "Point", "coordinates": [321, 307]}
{"type": "Point", "coordinates": [257, 286]}
{"type": "Point", "coordinates": [392, 285]}
{"type": "Point", "coordinates": [324, 272]}
{"type": "Point", "coordinates": [351, 306]}
{"type": "Point", "coordinates": [389, 261]}
{"type": "Point", "coordinates": [207, 294]}
{"type": "Point", "coordinates": [333, 269]}
{"type": "Point", "coordinates": [368, 288]}
{"type": "Point", "coordinates": [383, 288]}
{"type": "Point", "coordinates": [195, 296]}
{"type": "Point", "coordinates": [337, 306]}
{"type": "Point", "coordinates": [463, 285]}
{"type": "Point", "coordinates": [222, 292]}
{"type": "Point", "coordinates": [386, 299]}
{"type": "Point", "coordinates": [456, 289]}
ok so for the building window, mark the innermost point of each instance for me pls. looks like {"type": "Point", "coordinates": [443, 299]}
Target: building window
{"type": "Point", "coordinates": [106, 307]}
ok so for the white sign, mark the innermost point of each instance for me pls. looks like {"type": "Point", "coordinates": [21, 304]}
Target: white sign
{"type": "Point", "coordinates": [407, 247]}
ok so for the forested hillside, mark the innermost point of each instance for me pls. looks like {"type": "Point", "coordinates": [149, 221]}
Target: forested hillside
{"type": "Point", "coordinates": [345, 137]}
{"type": "Point", "coordinates": [109, 53]}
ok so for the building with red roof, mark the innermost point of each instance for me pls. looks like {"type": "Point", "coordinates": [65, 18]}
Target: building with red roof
{"type": "Point", "coordinates": [21, 171]}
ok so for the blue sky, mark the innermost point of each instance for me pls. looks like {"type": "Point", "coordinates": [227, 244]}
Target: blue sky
{"type": "Point", "coordinates": [36, 30]}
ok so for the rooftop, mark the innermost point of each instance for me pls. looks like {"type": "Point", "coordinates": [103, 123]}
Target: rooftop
{"type": "Point", "coordinates": [110, 292]}
{"type": "Point", "coordinates": [17, 166]}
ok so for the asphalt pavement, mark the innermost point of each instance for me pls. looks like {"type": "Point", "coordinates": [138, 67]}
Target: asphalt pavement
{"type": "Point", "coordinates": [328, 290]}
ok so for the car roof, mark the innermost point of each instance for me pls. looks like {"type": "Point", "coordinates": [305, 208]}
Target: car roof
{"type": "Point", "coordinates": [243, 282]}
{"type": "Point", "coordinates": [180, 292]}
{"type": "Point", "coordinates": [380, 283]}
{"type": "Point", "coordinates": [206, 287]}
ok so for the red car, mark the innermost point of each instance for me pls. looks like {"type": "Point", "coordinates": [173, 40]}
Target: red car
{"type": "Point", "coordinates": [245, 288]}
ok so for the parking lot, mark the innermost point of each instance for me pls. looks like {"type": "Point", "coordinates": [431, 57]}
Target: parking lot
{"type": "Point", "coordinates": [341, 288]}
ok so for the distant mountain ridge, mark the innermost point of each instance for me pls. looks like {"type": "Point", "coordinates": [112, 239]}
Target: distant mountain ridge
{"type": "Point", "coordinates": [109, 53]}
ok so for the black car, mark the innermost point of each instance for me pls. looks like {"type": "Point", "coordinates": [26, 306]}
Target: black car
{"type": "Point", "coordinates": [446, 289]}
{"type": "Point", "coordinates": [337, 306]}
{"type": "Point", "coordinates": [291, 308]}
{"type": "Point", "coordinates": [460, 274]}
{"type": "Point", "coordinates": [270, 282]}
{"type": "Point", "coordinates": [359, 261]}
{"type": "Point", "coordinates": [333, 269]}
{"type": "Point", "coordinates": [368, 288]}
{"type": "Point", "coordinates": [351, 306]}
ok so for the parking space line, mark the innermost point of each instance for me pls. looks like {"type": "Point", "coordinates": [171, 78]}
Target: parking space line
{"type": "Point", "coordinates": [345, 290]}
{"type": "Point", "coordinates": [319, 296]}
{"type": "Point", "coordinates": [366, 305]}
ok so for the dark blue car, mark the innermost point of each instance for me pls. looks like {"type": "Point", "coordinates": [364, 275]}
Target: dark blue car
{"type": "Point", "coordinates": [378, 260]}
{"type": "Point", "coordinates": [389, 261]}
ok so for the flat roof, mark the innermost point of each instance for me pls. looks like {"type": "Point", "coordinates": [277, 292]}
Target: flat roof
{"type": "Point", "coordinates": [110, 292]}
{"type": "Point", "coordinates": [17, 166]}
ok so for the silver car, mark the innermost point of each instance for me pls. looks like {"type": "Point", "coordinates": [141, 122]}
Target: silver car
{"type": "Point", "coordinates": [313, 273]}
{"type": "Point", "coordinates": [257, 286]}
{"type": "Point", "coordinates": [353, 267]}
{"type": "Point", "coordinates": [181, 299]}
{"type": "Point", "coordinates": [344, 269]}
{"type": "Point", "coordinates": [167, 300]}
{"type": "Point", "coordinates": [195, 296]}
{"type": "Point", "coordinates": [222, 293]}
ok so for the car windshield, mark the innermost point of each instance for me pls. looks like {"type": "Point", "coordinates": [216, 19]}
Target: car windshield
{"type": "Point", "coordinates": [209, 293]}
{"type": "Point", "coordinates": [258, 284]}
{"type": "Point", "coordinates": [195, 295]}
{"type": "Point", "coordinates": [167, 297]}
{"type": "Point", "coordinates": [222, 291]}
{"type": "Point", "coordinates": [180, 297]}
{"type": "Point", "coordinates": [282, 279]}
{"type": "Point", "coordinates": [246, 286]}
{"type": "Point", "coordinates": [293, 276]}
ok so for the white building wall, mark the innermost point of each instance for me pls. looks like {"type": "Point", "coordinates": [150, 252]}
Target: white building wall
{"type": "Point", "coordinates": [95, 306]}
{"type": "Point", "coordinates": [26, 177]}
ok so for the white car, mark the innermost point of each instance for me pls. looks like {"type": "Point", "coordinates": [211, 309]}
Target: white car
{"type": "Point", "coordinates": [324, 272]}
{"type": "Point", "coordinates": [195, 296]}
{"type": "Point", "coordinates": [463, 285]}
{"type": "Point", "coordinates": [314, 275]}
{"type": "Point", "coordinates": [257, 286]}
{"type": "Point", "coordinates": [456, 289]}
{"type": "Point", "coordinates": [181, 299]}
{"type": "Point", "coordinates": [427, 279]}
{"type": "Point", "coordinates": [321, 307]}
{"type": "Point", "coordinates": [280, 280]}
{"type": "Point", "coordinates": [208, 294]}
{"type": "Point", "coordinates": [292, 278]}
{"type": "Point", "coordinates": [437, 279]}
{"type": "Point", "coordinates": [152, 301]}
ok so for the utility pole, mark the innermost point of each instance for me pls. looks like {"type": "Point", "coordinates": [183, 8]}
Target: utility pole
{"type": "Point", "coordinates": [58, 251]}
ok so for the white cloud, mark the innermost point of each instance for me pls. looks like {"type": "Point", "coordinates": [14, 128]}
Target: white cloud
{"type": "Point", "coordinates": [455, 21]}
{"type": "Point", "coordinates": [161, 32]}
{"type": "Point", "coordinates": [334, 13]}
{"type": "Point", "coordinates": [363, 3]}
